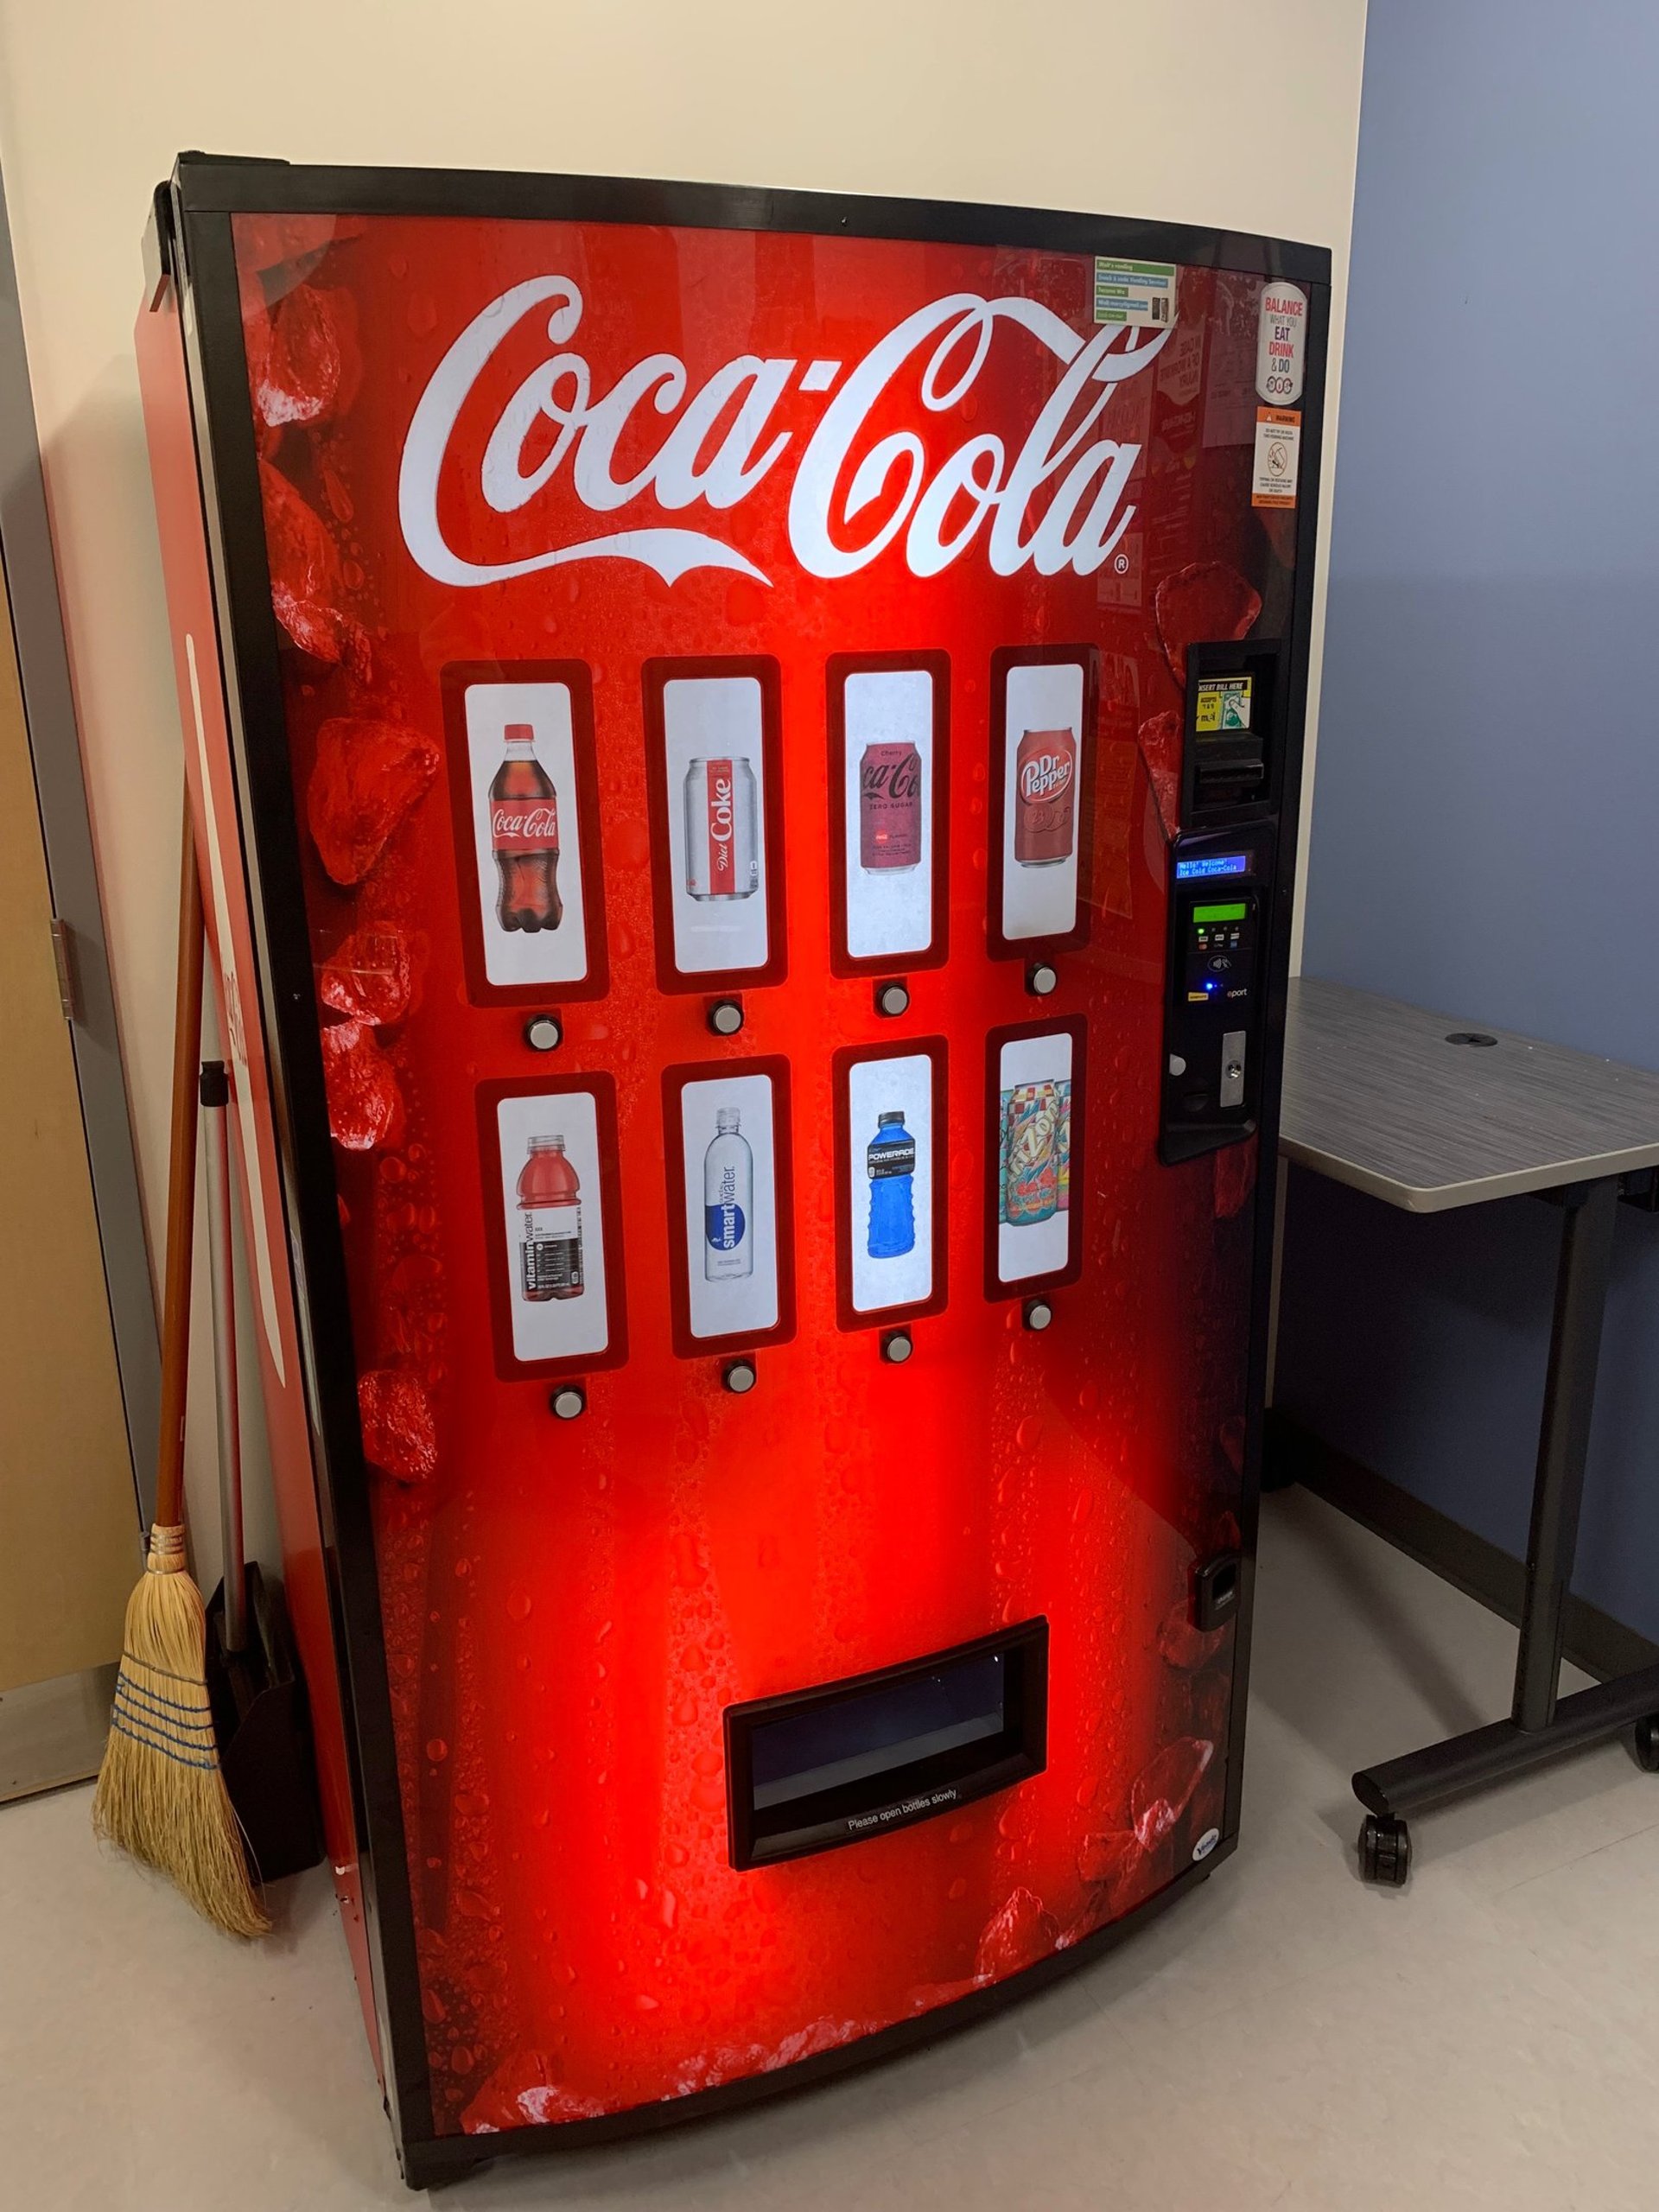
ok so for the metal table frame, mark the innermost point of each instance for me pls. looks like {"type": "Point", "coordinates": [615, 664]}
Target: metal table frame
{"type": "Point", "coordinates": [1542, 1725]}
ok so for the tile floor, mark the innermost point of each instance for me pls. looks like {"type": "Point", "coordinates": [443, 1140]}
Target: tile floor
{"type": "Point", "coordinates": [1489, 2038]}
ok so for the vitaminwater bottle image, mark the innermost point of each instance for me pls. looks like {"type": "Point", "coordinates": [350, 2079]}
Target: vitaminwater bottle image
{"type": "Point", "coordinates": [727, 1201]}
{"type": "Point", "coordinates": [890, 1157]}
{"type": "Point", "coordinates": [549, 1234]}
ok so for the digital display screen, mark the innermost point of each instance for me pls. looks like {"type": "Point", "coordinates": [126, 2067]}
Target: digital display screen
{"type": "Point", "coordinates": [1219, 864]}
{"type": "Point", "coordinates": [1221, 913]}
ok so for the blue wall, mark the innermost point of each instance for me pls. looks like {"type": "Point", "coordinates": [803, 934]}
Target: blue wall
{"type": "Point", "coordinates": [1486, 797]}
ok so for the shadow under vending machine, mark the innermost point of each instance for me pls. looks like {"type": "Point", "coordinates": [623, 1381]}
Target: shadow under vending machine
{"type": "Point", "coordinates": [744, 750]}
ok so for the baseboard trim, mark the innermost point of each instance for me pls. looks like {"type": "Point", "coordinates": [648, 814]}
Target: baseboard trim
{"type": "Point", "coordinates": [1595, 1641]}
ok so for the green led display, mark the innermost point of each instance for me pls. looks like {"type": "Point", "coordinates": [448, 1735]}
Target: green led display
{"type": "Point", "coordinates": [1220, 913]}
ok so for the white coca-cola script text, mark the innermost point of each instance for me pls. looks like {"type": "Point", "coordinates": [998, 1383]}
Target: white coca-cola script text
{"type": "Point", "coordinates": [1054, 504]}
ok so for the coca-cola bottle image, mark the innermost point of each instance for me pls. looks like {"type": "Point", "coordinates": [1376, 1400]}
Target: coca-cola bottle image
{"type": "Point", "coordinates": [1046, 777]}
{"type": "Point", "coordinates": [549, 1234]}
{"type": "Point", "coordinates": [889, 806]}
{"type": "Point", "coordinates": [727, 1201]}
{"type": "Point", "coordinates": [524, 834]}
{"type": "Point", "coordinates": [721, 858]}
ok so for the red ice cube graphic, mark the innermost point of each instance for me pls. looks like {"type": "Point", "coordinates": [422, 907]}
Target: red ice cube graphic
{"type": "Point", "coordinates": [306, 584]}
{"type": "Point", "coordinates": [270, 241]}
{"type": "Point", "coordinates": [370, 976]}
{"type": "Point", "coordinates": [399, 1434]}
{"type": "Point", "coordinates": [368, 778]}
{"type": "Point", "coordinates": [366, 1107]}
{"type": "Point", "coordinates": [1234, 1178]}
{"type": "Point", "coordinates": [1203, 603]}
{"type": "Point", "coordinates": [311, 365]}
{"type": "Point", "coordinates": [524, 2091]}
{"type": "Point", "coordinates": [1164, 1790]}
{"type": "Point", "coordinates": [1160, 739]}
{"type": "Point", "coordinates": [1111, 1863]}
{"type": "Point", "coordinates": [1017, 1934]}
{"type": "Point", "coordinates": [1183, 1645]}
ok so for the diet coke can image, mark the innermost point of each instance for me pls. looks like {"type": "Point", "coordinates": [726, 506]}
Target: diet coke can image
{"type": "Point", "coordinates": [525, 837]}
{"type": "Point", "coordinates": [1045, 775]}
{"type": "Point", "coordinates": [721, 858]}
{"type": "Point", "coordinates": [889, 806]}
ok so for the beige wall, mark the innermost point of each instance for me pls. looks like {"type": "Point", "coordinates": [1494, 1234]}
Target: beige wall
{"type": "Point", "coordinates": [1195, 110]}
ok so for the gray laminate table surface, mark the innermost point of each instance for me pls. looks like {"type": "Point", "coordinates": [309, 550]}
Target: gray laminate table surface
{"type": "Point", "coordinates": [1375, 1095]}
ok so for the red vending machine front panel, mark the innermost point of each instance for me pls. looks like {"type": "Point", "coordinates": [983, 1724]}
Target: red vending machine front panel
{"type": "Point", "coordinates": [760, 752]}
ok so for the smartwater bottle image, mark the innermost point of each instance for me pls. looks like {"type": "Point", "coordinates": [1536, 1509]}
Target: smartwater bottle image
{"type": "Point", "coordinates": [891, 1158]}
{"type": "Point", "coordinates": [727, 1201]}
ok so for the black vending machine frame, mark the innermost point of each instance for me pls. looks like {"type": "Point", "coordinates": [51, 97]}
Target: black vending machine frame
{"type": "Point", "coordinates": [189, 245]}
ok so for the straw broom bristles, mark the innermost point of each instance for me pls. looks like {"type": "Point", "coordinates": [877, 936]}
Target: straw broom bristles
{"type": "Point", "coordinates": [160, 1795]}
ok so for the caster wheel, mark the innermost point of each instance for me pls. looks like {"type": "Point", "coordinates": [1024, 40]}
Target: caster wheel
{"type": "Point", "coordinates": [1384, 1853]}
{"type": "Point", "coordinates": [1647, 1742]}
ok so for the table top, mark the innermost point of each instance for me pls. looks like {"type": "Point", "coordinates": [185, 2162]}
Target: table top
{"type": "Point", "coordinates": [1376, 1096]}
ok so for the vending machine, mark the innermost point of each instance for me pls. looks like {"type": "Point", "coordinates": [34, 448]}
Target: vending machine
{"type": "Point", "coordinates": [745, 751]}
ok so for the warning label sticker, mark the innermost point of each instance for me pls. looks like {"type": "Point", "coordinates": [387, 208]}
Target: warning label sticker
{"type": "Point", "coordinates": [1278, 452]}
{"type": "Point", "coordinates": [1140, 292]}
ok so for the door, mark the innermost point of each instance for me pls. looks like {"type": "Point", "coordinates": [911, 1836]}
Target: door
{"type": "Point", "coordinates": [66, 1496]}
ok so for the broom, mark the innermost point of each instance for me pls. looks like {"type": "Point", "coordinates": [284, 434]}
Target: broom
{"type": "Point", "coordinates": [160, 1793]}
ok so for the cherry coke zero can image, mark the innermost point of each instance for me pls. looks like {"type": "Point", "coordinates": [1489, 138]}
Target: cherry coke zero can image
{"type": "Point", "coordinates": [525, 837]}
{"type": "Point", "coordinates": [721, 858]}
{"type": "Point", "coordinates": [889, 806]}
{"type": "Point", "coordinates": [1045, 776]}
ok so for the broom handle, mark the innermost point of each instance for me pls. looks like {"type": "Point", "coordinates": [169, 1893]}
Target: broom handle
{"type": "Point", "coordinates": [180, 1191]}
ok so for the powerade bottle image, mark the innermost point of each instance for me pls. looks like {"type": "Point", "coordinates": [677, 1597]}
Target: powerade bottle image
{"type": "Point", "coordinates": [727, 1201]}
{"type": "Point", "coordinates": [891, 1158]}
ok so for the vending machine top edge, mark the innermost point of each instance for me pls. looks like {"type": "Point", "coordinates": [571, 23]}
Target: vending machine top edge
{"type": "Point", "coordinates": [744, 750]}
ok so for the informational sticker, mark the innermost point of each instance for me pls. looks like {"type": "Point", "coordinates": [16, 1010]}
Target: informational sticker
{"type": "Point", "coordinates": [1035, 1156]}
{"type": "Point", "coordinates": [890, 1228]}
{"type": "Point", "coordinates": [553, 1223]}
{"type": "Point", "coordinates": [1278, 451]}
{"type": "Point", "coordinates": [1042, 737]}
{"type": "Point", "coordinates": [1224, 704]}
{"type": "Point", "coordinates": [1140, 292]}
{"type": "Point", "coordinates": [1280, 345]}
{"type": "Point", "coordinates": [729, 1182]}
{"type": "Point", "coordinates": [524, 796]}
{"type": "Point", "coordinates": [712, 735]}
{"type": "Point", "coordinates": [887, 745]}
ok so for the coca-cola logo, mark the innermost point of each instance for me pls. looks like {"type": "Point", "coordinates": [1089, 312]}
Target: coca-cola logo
{"type": "Point", "coordinates": [1053, 504]}
{"type": "Point", "coordinates": [893, 779]}
{"type": "Point", "coordinates": [720, 809]}
{"type": "Point", "coordinates": [1044, 775]}
{"type": "Point", "coordinates": [532, 824]}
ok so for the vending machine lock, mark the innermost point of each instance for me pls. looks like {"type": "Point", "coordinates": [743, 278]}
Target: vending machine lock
{"type": "Point", "coordinates": [1215, 1586]}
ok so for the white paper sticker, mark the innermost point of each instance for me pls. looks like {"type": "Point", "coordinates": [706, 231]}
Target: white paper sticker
{"type": "Point", "coordinates": [890, 1173]}
{"type": "Point", "coordinates": [1278, 451]}
{"type": "Point", "coordinates": [1042, 772]}
{"type": "Point", "coordinates": [716, 766]}
{"type": "Point", "coordinates": [555, 1229]}
{"type": "Point", "coordinates": [889, 793]}
{"type": "Point", "coordinates": [513, 952]}
{"type": "Point", "coordinates": [1280, 345]}
{"type": "Point", "coordinates": [731, 1206]}
{"type": "Point", "coordinates": [1033, 1235]}
{"type": "Point", "coordinates": [1139, 292]}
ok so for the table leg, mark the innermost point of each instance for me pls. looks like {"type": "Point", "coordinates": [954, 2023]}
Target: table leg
{"type": "Point", "coordinates": [1563, 1444]}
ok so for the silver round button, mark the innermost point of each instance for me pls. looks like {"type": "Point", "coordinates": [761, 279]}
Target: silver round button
{"type": "Point", "coordinates": [739, 1375]}
{"type": "Point", "coordinates": [726, 1017]}
{"type": "Point", "coordinates": [1041, 977]}
{"type": "Point", "coordinates": [1037, 1313]}
{"type": "Point", "coordinates": [896, 1347]}
{"type": "Point", "coordinates": [893, 998]}
{"type": "Point", "coordinates": [544, 1033]}
{"type": "Point", "coordinates": [568, 1400]}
